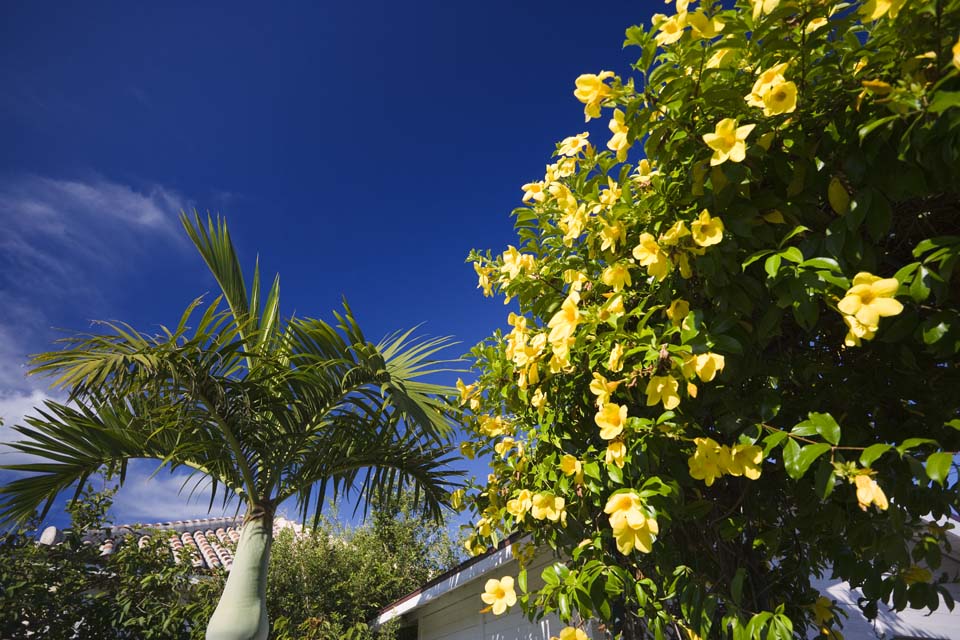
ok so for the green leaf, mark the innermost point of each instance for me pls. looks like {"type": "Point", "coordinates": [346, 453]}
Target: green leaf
{"type": "Point", "coordinates": [912, 443]}
{"type": "Point", "coordinates": [920, 288]}
{"type": "Point", "coordinates": [772, 265]}
{"type": "Point", "coordinates": [797, 460]}
{"type": "Point", "coordinates": [826, 426]}
{"type": "Point", "coordinates": [955, 423]}
{"type": "Point", "coordinates": [868, 128]}
{"type": "Point", "coordinates": [793, 254]}
{"type": "Point", "coordinates": [791, 458]}
{"type": "Point", "coordinates": [943, 101]}
{"type": "Point", "coordinates": [938, 466]}
{"type": "Point", "coordinates": [821, 263]}
{"type": "Point", "coordinates": [873, 452]}
{"type": "Point", "coordinates": [838, 197]}
{"type": "Point", "coordinates": [522, 580]}
{"type": "Point", "coordinates": [772, 441]}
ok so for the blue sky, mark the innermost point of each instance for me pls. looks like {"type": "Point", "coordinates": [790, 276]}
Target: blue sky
{"type": "Point", "coordinates": [361, 149]}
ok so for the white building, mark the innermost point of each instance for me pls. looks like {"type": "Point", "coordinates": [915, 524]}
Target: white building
{"type": "Point", "coordinates": [448, 607]}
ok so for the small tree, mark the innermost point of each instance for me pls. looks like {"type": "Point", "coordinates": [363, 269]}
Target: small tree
{"type": "Point", "coordinates": [68, 590]}
{"type": "Point", "coordinates": [263, 408]}
{"type": "Point", "coordinates": [734, 365]}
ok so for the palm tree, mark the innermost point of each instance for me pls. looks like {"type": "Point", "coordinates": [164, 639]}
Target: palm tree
{"type": "Point", "coordinates": [263, 409]}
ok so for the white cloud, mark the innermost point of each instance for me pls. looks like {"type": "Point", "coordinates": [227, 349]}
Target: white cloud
{"type": "Point", "coordinates": [13, 408]}
{"type": "Point", "coordinates": [159, 499]}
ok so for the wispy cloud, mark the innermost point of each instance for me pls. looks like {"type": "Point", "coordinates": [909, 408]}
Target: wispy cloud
{"type": "Point", "coordinates": [148, 500]}
{"type": "Point", "coordinates": [63, 244]}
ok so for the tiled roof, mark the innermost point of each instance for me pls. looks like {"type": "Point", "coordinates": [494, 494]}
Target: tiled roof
{"type": "Point", "coordinates": [211, 542]}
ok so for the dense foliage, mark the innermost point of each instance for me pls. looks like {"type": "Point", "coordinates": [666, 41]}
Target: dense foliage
{"type": "Point", "coordinates": [336, 578]}
{"type": "Point", "coordinates": [325, 584]}
{"type": "Point", "coordinates": [734, 365]}
{"type": "Point", "coordinates": [70, 591]}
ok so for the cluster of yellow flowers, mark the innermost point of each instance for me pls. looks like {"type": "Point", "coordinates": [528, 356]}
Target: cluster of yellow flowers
{"type": "Point", "coordinates": [869, 299]}
{"type": "Point", "coordinates": [712, 460]}
{"type": "Point", "coordinates": [632, 527]}
{"type": "Point", "coordinates": [773, 93]}
{"type": "Point", "coordinates": [673, 246]}
{"type": "Point", "coordinates": [542, 506]}
{"type": "Point", "coordinates": [672, 29]}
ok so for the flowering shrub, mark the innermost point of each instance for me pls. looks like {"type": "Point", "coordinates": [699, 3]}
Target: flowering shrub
{"type": "Point", "coordinates": [734, 365]}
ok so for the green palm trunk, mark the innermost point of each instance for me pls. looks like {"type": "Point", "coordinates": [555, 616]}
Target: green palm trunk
{"type": "Point", "coordinates": [241, 613]}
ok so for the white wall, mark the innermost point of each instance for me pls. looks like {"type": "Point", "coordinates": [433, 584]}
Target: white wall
{"type": "Point", "coordinates": [456, 616]}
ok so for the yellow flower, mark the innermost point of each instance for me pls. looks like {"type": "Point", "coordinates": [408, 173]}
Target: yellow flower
{"type": "Point", "coordinates": [602, 388]}
{"type": "Point", "coordinates": [572, 225]}
{"type": "Point", "coordinates": [574, 144]}
{"type": "Point", "coordinates": [533, 191]}
{"type": "Point", "coordinates": [815, 24]}
{"type": "Point", "coordinates": [722, 58]}
{"type": "Point", "coordinates": [467, 451]}
{"type": "Point", "coordinates": [547, 506]}
{"type": "Point", "coordinates": [671, 29]}
{"type": "Point", "coordinates": [539, 400]}
{"type": "Point", "coordinates": [766, 81]}
{"type": "Point", "coordinates": [649, 255]}
{"type": "Point", "coordinates": [619, 128]}
{"type": "Point", "coordinates": [707, 231]}
{"type": "Point", "coordinates": [612, 309]}
{"type": "Point", "coordinates": [564, 197]}
{"type": "Point", "coordinates": [456, 499]}
{"type": "Point", "coordinates": [728, 141]}
{"type": "Point", "coordinates": [763, 7]}
{"type": "Point", "coordinates": [615, 362]}
{"type": "Point", "coordinates": [632, 528]}
{"type": "Point", "coordinates": [466, 390]}
{"type": "Point", "coordinates": [742, 460]}
{"type": "Point", "coordinates": [473, 546]}
{"type": "Point", "coordinates": [663, 389]}
{"type": "Point", "coordinates": [956, 54]}
{"type": "Point", "coordinates": [871, 298]}
{"type": "Point", "coordinates": [876, 9]}
{"type": "Point", "coordinates": [483, 279]}
{"type": "Point", "coordinates": [483, 527]}
{"type": "Point", "coordinates": [781, 98]}
{"type": "Point", "coordinates": [616, 451]}
{"type": "Point", "coordinates": [611, 419]}
{"type": "Point", "coordinates": [519, 506]}
{"type": "Point", "coordinates": [571, 633]}
{"type": "Point", "coordinates": [708, 365]}
{"type": "Point", "coordinates": [869, 492]}
{"type": "Point", "coordinates": [499, 594]}
{"type": "Point", "coordinates": [877, 87]}
{"type": "Point", "coordinates": [591, 91]}
{"type": "Point", "coordinates": [569, 465]}
{"type": "Point", "coordinates": [610, 195]}
{"type": "Point", "coordinates": [705, 464]}
{"type": "Point", "coordinates": [564, 322]}
{"type": "Point", "coordinates": [644, 172]}
{"type": "Point", "coordinates": [677, 311]}
{"type": "Point", "coordinates": [493, 426]}
{"type": "Point", "coordinates": [504, 446]}
{"type": "Point", "coordinates": [674, 234]}
{"type": "Point", "coordinates": [514, 262]}
{"type": "Point", "coordinates": [612, 234]}
{"type": "Point", "coordinates": [823, 610]}
{"type": "Point", "coordinates": [575, 279]}
{"type": "Point", "coordinates": [702, 26]}
{"type": "Point", "coordinates": [857, 331]}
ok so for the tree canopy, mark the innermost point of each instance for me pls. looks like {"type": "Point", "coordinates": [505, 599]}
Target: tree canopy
{"type": "Point", "coordinates": [733, 365]}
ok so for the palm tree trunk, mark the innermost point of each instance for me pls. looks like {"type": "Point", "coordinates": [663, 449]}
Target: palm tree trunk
{"type": "Point", "coordinates": [241, 613]}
